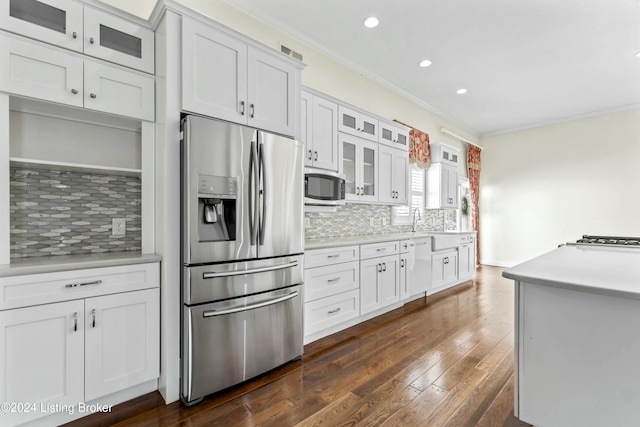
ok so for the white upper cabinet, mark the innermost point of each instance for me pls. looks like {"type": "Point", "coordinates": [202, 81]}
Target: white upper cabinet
{"type": "Point", "coordinates": [443, 153]}
{"type": "Point", "coordinates": [442, 186]}
{"type": "Point", "coordinates": [393, 175]}
{"type": "Point", "coordinates": [117, 40]}
{"type": "Point", "coordinates": [226, 78]}
{"type": "Point", "coordinates": [359, 165]}
{"type": "Point", "coordinates": [394, 135]}
{"type": "Point", "coordinates": [357, 123]}
{"type": "Point", "coordinates": [319, 131]}
{"type": "Point", "coordinates": [57, 22]}
{"type": "Point", "coordinates": [39, 71]}
{"type": "Point", "coordinates": [70, 25]}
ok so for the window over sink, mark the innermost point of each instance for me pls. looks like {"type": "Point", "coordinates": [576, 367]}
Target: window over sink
{"type": "Point", "coordinates": [403, 215]}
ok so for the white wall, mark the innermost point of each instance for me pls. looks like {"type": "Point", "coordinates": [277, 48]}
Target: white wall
{"type": "Point", "coordinates": [550, 185]}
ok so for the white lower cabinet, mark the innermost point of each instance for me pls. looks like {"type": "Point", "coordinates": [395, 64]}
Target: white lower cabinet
{"type": "Point", "coordinates": [445, 268]}
{"type": "Point", "coordinates": [64, 353]}
{"type": "Point", "coordinates": [467, 259]}
{"type": "Point", "coordinates": [331, 311]}
{"type": "Point", "coordinates": [122, 338]}
{"type": "Point", "coordinates": [379, 283]}
{"type": "Point", "coordinates": [41, 359]}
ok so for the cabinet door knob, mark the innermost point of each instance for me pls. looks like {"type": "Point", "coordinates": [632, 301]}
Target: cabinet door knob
{"type": "Point", "coordinates": [242, 108]}
{"type": "Point", "coordinates": [93, 95]}
{"type": "Point", "coordinates": [74, 35]}
{"type": "Point", "coordinates": [93, 318]}
{"type": "Point", "coordinates": [91, 40]}
{"type": "Point", "coordinates": [74, 91]}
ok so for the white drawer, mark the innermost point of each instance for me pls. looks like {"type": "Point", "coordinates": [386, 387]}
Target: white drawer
{"type": "Point", "coordinates": [329, 256]}
{"type": "Point", "coordinates": [44, 288]}
{"type": "Point", "coordinates": [330, 280]}
{"type": "Point", "coordinates": [374, 250]}
{"type": "Point", "coordinates": [331, 311]}
{"type": "Point", "coordinates": [406, 246]}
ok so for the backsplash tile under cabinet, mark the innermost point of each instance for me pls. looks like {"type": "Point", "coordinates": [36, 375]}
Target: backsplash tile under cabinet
{"type": "Point", "coordinates": [64, 213]}
{"type": "Point", "coordinates": [353, 220]}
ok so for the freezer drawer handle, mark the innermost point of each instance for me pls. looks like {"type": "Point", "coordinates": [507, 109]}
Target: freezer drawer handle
{"type": "Point", "coordinates": [212, 313]}
{"type": "Point", "coordinates": [75, 285]}
{"type": "Point", "coordinates": [252, 271]}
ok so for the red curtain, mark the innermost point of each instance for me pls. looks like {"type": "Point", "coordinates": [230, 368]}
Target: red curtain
{"type": "Point", "coordinates": [473, 163]}
{"type": "Point", "coordinates": [419, 153]}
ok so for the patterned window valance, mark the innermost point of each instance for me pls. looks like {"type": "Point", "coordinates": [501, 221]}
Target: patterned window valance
{"type": "Point", "coordinates": [419, 153]}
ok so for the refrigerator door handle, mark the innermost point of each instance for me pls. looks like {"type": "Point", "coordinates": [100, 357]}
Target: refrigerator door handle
{"type": "Point", "coordinates": [214, 275]}
{"type": "Point", "coordinates": [273, 301]}
{"type": "Point", "coordinates": [262, 191]}
{"type": "Point", "coordinates": [253, 194]}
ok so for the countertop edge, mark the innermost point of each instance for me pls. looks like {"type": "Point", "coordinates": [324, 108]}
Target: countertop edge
{"type": "Point", "coordinates": [339, 241]}
{"type": "Point", "coordinates": [9, 270]}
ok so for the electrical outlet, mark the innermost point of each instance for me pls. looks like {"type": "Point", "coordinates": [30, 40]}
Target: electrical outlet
{"type": "Point", "coordinates": [118, 226]}
{"type": "Point", "coordinates": [370, 222]}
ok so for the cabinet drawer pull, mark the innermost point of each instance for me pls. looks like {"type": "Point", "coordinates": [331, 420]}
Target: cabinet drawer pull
{"type": "Point", "coordinates": [93, 318]}
{"type": "Point", "coordinates": [381, 249]}
{"type": "Point", "coordinates": [333, 311]}
{"type": "Point", "coordinates": [93, 95]}
{"type": "Point", "coordinates": [75, 321]}
{"type": "Point", "coordinates": [333, 256]}
{"type": "Point", "coordinates": [74, 91]}
{"type": "Point", "coordinates": [75, 285]}
{"type": "Point", "coordinates": [333, 280]}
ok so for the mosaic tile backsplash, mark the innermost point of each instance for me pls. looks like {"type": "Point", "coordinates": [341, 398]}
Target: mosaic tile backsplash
{"type": "Point", "coordinates": [353, 220]}
{"type": "Point", "coordinates": [63, 213]}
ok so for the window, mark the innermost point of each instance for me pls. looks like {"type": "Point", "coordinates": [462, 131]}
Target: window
{"type": "Point", "coordinates": [404, 214]}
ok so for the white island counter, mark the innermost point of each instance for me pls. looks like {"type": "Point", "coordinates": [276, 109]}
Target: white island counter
{"type": "Point", "coordinates": [577, 315]}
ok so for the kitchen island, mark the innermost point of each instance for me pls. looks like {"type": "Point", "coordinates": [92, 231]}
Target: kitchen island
{"type": "Point", "coordinates": [577, 310]}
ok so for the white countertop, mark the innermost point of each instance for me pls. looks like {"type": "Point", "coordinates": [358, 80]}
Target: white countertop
{"type": "Point", "coordinates": [49, 264]}
{"type": "Point", "coordinates": [596, 269]}
{"type": "Point", "coordinates": [329, 242]}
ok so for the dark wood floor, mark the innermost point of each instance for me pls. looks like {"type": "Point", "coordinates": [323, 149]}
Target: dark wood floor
{"type": "Point", "coordinates": [445, 361]}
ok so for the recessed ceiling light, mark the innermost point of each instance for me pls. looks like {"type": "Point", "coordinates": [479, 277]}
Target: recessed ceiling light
{"type": "Point", "coordinates": [425, 63]}
{"type": "Point", "coordinates": [461, 91]}
{"type": "Point", "coordinates": [371, 22]}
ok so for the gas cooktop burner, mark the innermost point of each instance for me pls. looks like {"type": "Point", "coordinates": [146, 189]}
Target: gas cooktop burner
{"type": "Point", "coordinates": [607, 240]}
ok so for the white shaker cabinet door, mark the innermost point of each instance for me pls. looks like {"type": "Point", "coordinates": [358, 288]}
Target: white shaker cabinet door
{"type": "Point", "coordinates": [122, 341]}
{"type": "Point", "coordinates": [270, 93]}
{"type": "Point", "coordinates": [41, 358]}
{"type": "Point", "coordinates": [36, 71]}
{"type": "Point", "coordinates": [214, 73]}
{"type": "Point", "coordinates": [118, 91]}
{"type": "Point", "coordinates": [57, 22]}
{"type": "Point", "coordinates": [324, 133]}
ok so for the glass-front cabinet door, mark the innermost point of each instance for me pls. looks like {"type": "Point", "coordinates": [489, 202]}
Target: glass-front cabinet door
{"type": "Point", "coordinates": [53, 21]}
{"type": "Point", "coordinates": [359, 166]}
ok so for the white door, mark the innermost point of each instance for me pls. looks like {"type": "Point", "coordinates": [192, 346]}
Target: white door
{"type": "Point", "coordinates": [57, 22]}
{"type": "Point", "coordinates": [324, 134]}
{"type": "Point", "coordinates": [450, 186]}
{"type": "Point", "coordinates": [368, 170]}
{"type": "Point", "coordinates": [270, 93]}
{"type": "Point", "coordinates": [349, 166]}
{"type": "Point", "coordinates": [118, 40]}
{"type": "Point", "coordinates": [389, 283]}
{"type": "Point", "coordinates": [349, 120]}
{"type": "Point", "coordinates": [36, 71]}
{"type": "Point", "coordinates": [370, 270]}
{"type": "Point", "coordinates": [404, 277]}
{"type": "Point", "coordinates": [386, 173]}
{"type": "Point", "coordinates": [214, 73]}
{"type": "Point", "coordinates": [122, 341]}
{"type": "Point", "coordinates": [368, 127]}
{"type": "Point", "coordinates": [41, 358]}
{"type": "Point", "coordinates": [421, 275]}
{"type": "Point", "coordinates": [401, 177]}
{"type": "Point", "coordinates": [306, 125]}
{"type": "Point", "coordinates": [118, 91]}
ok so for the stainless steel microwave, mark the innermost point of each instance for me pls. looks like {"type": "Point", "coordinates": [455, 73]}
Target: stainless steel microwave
{"type": "Point", "coordinates": [323, 188]}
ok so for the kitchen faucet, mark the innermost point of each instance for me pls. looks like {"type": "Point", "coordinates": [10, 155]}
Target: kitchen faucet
{"type": "Point", "coordinates": [414, 218]}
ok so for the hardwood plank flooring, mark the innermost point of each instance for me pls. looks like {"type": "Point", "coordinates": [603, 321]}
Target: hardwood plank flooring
{"type": "Point", "coordinates": [445, 360]}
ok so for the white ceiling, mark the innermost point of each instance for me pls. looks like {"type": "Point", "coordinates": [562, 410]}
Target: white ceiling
{"type": "Point", "coordinates": [525, 63]}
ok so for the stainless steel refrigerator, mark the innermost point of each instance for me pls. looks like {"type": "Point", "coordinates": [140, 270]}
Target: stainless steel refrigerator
{"type": "Point", "coordinates": [242, 246]}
